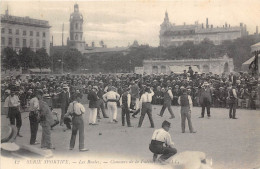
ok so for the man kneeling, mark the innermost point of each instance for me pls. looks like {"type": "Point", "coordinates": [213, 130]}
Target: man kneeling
{"type": "Point", "coordinates": [162, 144]}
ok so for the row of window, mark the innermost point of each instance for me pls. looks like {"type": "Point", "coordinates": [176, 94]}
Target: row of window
{"type": "Point", "coordinates": [24, 42]}
{"type": "Point", "coordinates": [24, 32]}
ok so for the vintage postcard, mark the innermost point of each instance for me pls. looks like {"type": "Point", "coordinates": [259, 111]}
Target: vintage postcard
{"type": "Point", "coordinates": [110, 84]}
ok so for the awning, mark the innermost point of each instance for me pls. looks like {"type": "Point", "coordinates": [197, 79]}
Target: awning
{"type": "Point", "coordinates": [37, 70]}
{"type": "Point", "coordinates": [180, 69]}
{"type": "Point", "coordinates": [255, 47]}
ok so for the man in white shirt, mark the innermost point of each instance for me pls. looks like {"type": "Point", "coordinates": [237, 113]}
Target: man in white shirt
{"type": "Point", "coordinates": [186, 106]}
{"type": "Point", "coordinates": [76, 109]}
{"type": "Point", "coordinates": [146, 106]}
{"type": "Point", "coordinates": [12, 102]}
{"type": "Point", "coordinates": [161, 143]}
{"type": "Point", "coordinates": [167, 102]}
{"type": "Point", "coordinates": [111, 98]}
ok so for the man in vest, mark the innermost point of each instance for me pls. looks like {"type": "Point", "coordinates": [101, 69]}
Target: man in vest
{"type": "Point", "coordinates": [125, 104]}
{"type": "Point", "coordinates": [186, 105]}
{"type": "Point", "coordinates": [76, 110]}
{"type": "Point", "coordinates": [167, 99]}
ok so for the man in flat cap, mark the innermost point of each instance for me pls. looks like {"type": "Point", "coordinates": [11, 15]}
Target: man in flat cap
{"type": "Point", "coordinates": [161, 143]}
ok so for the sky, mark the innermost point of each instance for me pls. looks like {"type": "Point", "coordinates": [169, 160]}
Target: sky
{"type": "Point", "coordinates": [119, 23]}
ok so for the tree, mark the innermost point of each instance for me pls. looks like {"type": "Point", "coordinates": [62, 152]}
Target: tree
{"type": "Point", "coordinates": [26, 58]}
{"type": "Point", "coordinates": [72, 59]}
{"type": "Point", "coordinates": [42, 59]}
{"type": "Point", "coordinates": [9, 59]}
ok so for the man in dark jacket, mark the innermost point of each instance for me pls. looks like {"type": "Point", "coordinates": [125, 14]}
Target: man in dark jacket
{"type": "Point", "coordinates": [125, 104]}
{"type": "Point", "coordinates": [93, 105]}
{"type": "Point", "coordinates": [205, 99]}
{"type": "Point", "coordinates": [65, 101]}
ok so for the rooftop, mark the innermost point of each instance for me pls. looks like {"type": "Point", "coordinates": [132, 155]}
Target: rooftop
{"type": "Point", "coordinates": [24, 21]}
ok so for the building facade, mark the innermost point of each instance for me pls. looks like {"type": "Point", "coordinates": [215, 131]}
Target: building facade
{"type": "Point", "coordinates": [216, 66]}
{"type": "Point", "coordinates": [176, 35]}
{"type": "Point", "coordinates": [76, 30]}
{"type": "Point", "coordinates": [18, 32]}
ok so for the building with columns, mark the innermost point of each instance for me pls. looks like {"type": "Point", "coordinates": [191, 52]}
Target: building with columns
{"type": "Point", "coordinates": [216, 65]}
{"type": "Point", "coordinates": [18, 32]}
{"type": "Point", "coordinates": [176, 35]}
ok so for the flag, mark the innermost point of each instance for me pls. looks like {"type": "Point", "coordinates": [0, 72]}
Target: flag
{"type": "Point", "coordinates": [254, 64]}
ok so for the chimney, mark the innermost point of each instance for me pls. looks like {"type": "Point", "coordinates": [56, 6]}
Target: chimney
{"type": "Point", "coordinates": [211, 26]}
{"type": "Point", "coordinates": [226, 24]}
{"type": "Point", "coordinates": [229, 25]}
{"type": "Point", "coordinates": [256, 30]}
{"type": "Point", "coordinates": [6, 11]}
{"type": "Point", "coordinates": [241, 24]}
{"type": "Point", "coordinates": [202, 26]}
{"type": "Point", "coordinates": [93, 44]}
{"type": "Point", "coordinates": [207, 23]}
{"type": "Point", "coordinates": [184, 23]}
{"type": "Point", "coordinates": [62, 34]}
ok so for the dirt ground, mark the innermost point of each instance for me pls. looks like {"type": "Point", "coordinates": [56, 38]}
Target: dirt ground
{"type": "Point", "coordinates": [232, 144]}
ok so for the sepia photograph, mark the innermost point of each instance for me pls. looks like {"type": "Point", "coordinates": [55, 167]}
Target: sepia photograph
{"type": "Point", "coordinates": [97, 84]}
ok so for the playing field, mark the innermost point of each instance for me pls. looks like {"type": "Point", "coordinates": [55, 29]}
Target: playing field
{"type": "Point", "coordinates": [232, 144]}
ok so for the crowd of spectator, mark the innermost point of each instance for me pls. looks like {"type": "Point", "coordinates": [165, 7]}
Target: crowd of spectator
{"type": "Point", "coordinates": [246, 85]}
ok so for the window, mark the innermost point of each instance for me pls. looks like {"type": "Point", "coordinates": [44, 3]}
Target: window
{"type": "Point", "coordinates": [3, 41]}
{"type": "Point", "coordinates": [3, 30]}
{"type": "Point", "coordinates": [77, 26]}
{"type": "Point", "coordinates": [155, 69]}
{"type": "Point", "coordinates": [31, 33]}
{"type": "Point", "coordinates": [43, 44]}
{"type": "Point", "coordinates": [31, 42]}
{"type": "Point", "coordinates": [43, 34]}
{"type": "Point", "coordinates": [24, 33]}
{"type": "Point", "coordinates": [10, 42]}
{"type": "Point", "coordinates": [37, 34]}
{"type": "Point", "coordinates": [24, 43]}
{"type": "Point", "coordinates": [163, 69]}
{"type": "Point", "coordinates": [17, 32]}
{"type": "Point", "coordinates": [76, 37]}
{"type": "Point", "coordinates": [17, 42]}
{"type": "Point", "coordinates": [37, 43]}
{"type": "Point", "coordinates": [10, 31]}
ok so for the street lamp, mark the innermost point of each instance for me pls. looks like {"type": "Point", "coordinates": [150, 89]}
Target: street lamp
{"type": "Point", "coordinates": [61, 65]}
{"type": "Point", "coordinates": [130, 62]}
